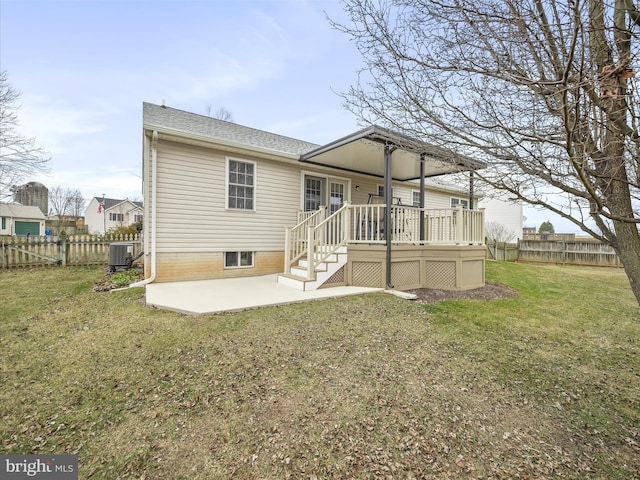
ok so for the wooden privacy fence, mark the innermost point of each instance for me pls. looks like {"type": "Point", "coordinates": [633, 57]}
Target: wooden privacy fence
{"type": "Point", "coordinates": [506, 252]}
{"type": "Point", "coordinates": [73, 250]}
{"type": "Point", "coordinates": [574, 253]}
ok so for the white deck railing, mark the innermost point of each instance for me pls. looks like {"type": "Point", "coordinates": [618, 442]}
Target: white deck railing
{"type": "Point", "coordinates": [366, 224]}
{"type": "Point", "coordinates": [445, 226]}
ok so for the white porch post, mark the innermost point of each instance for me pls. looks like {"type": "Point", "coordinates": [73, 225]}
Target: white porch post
{"type": "Point", "coordinates": [459, 225]}
{"type": "Point", "coordinates": [346, 222]}
{"type": "Point", "coordinates": [311, 249]}
{"type": "Point", "coordinates": [287, 250]}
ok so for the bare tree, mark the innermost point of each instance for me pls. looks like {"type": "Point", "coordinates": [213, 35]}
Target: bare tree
{"type": "Point", "coordinates": [498, 232]}
{"type": "Point", "coordinates": [542, 90]}
{"type": "Point", "coordinates": [66, 204]}
{"type": "Point", "coordinates": [19, 156]}
{"type": "Point", "coordinates": [59, 200]}
{"type": "Point", "coordinates": [221, 114]}
{"type": "Point", "coordinates": [78, 203]}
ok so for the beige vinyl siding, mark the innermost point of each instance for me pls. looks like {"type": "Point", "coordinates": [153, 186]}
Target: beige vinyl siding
{"type": "Point", "coordinates": [435, 199]}
{"type": "Point", "coordinates": [191, 202]}
{"type": "Point", "coordinates": [432, 198]}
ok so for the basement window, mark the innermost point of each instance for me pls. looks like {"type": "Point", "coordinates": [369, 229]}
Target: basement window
{"type": "Point", "coordinates": [238, 259]}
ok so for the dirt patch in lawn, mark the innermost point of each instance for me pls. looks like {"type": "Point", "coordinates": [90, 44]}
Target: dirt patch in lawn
{"type": "Point", "coordinates": [491, 291]}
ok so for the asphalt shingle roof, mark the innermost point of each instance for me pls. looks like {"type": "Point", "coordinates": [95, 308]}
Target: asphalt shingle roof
{"type": "Point", "coordinates": [17, 210]}
{"type": "Point", "coordinates": [167, 117]}
{"type": "Point", "coordinates": [110, 202]}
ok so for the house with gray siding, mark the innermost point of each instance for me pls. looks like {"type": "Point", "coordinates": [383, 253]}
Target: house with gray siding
{"type": "Point", "coordinates": [224, 200]}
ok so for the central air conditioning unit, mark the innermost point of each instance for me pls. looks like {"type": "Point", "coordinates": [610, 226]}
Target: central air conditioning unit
{"type": "Point", "coordinates": [120, 255]}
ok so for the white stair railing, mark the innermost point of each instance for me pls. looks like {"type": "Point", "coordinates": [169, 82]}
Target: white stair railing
{"type": "Point", "coordinates": [296, 238]}
{"type": "Point", "coordinates": [326, 238]}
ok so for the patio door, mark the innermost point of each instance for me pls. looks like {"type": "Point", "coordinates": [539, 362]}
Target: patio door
{"type": "Point", "coordinates": [337, 191]}
{"type": "Point", "coordinates": [324, 191]}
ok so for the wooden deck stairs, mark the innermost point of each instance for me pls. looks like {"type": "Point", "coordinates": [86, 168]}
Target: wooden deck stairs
{"type": "Point", "coordinates": [298, 278]}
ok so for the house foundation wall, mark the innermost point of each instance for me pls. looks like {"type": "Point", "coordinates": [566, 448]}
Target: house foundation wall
{"type": "Point", "coordinates": [450, 267]}
{"type": "Point", "coordinates": [184, 266]}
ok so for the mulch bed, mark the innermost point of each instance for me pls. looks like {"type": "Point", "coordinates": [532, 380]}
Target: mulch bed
{"type": "Point", "coordinates": [491, 291]}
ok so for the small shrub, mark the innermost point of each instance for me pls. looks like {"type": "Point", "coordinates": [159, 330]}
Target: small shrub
{"type": "Point", "coordinates": [117, 280]}
{"type": "Point", "coordinates": [123, 230]}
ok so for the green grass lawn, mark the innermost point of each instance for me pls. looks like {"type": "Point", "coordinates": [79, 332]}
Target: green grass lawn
{"type": "Point", "coordinates": [542, 385]}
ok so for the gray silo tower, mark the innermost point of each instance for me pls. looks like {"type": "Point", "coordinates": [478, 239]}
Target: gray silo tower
{"type": "Point", "coordinates": [33, 194]}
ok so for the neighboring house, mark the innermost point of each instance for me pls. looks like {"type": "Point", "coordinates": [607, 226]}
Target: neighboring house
{"type": "Point", "coordinates": [16, 219]}
{"type": "Point", "coordinates": [105, 214]}
{"type": "Point", "coordinates": [497, 209]}
{"type": "Point", "coordinates": [224, 200]}
{"type": "Point", "coordinates": [507, 213]}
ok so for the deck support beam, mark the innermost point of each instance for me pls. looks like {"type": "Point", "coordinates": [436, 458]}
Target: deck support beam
{"type": "Point", "coordinates": [422, 160]}
{"type": "Point", "coordinates": [388, 231]}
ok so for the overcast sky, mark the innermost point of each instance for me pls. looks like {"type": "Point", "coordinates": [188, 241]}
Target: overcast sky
{"type": "Point", "coordinates": [84, 67]}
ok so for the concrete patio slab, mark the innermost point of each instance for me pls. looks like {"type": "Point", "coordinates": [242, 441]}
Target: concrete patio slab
{"type": "Point", "coordinates": [235, 294]}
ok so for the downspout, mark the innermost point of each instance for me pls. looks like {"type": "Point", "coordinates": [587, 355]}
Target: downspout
{"type": "Point", "coordinates": [152, 243]}
{"type": "Point", "coordinates": [387, 211]}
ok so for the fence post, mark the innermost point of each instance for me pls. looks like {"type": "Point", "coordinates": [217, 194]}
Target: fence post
{"type": "Point", "coordinates": [5, 254]}
{"type": "Point", "coordinates": [63, 249]}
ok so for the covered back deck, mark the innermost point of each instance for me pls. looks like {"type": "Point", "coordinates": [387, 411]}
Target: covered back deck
{"type": "Point", "coordinates": [421, 248]}
{"type": "Point", "coordinates": [389, 245]}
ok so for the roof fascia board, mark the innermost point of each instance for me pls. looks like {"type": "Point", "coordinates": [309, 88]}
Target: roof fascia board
{"type": "Point", "coordinates": [373, 175]}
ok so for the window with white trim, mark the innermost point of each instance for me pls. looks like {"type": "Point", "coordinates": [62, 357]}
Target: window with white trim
{"type": "Point", "coordinates": [137, 217]}
{"type": "Point", "coordinates": [459, 201]}
{"type": "Point", "coordinates": [415, 198]}
{"type": "Point", "coordinates": [381, 191]}
{"type": "Point", "coordinates": [241, 183]}
{"type": "Point", "coordinates": [116, 217]}
{"type": "Point", "coordinates": [238, 259]}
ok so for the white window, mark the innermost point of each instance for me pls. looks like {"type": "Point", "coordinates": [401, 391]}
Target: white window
{"type": "Point", "coordinates": [116, 217]}
{"type": "Point", "coordinates": [415, 198]}
{"type": "Point", "coordinates": [381, 191]}
{"type": "Point", "coordinates": [459, 201]}
{"type": "Point", "coordinates": [241, 183]}
{"type": "Point", "coordinates": [238, 259]}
